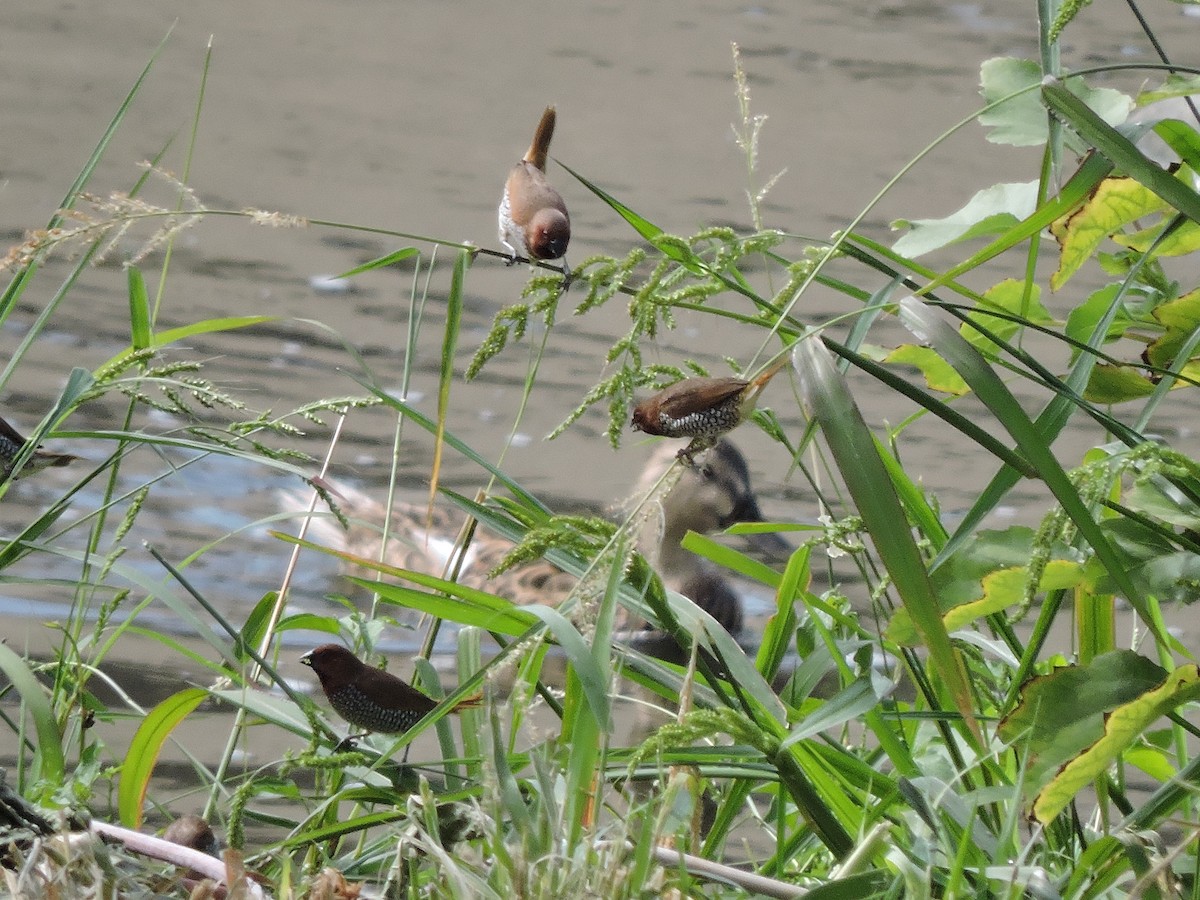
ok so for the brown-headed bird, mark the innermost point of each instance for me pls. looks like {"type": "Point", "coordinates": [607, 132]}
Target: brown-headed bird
{"type": "Point", "coordinates": [701, 408]}
{"type": "Point", "coordinates": [533, 216]}
{"type": "Point", "coordinates": [192, 831]}
{"type": "Point", "coordinates": [368, 697]}
{"type": "Point", "coordinates": [11, 445]}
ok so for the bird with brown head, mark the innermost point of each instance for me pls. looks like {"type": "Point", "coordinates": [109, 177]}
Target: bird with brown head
{"type": "Point", "coordinates": [370, 698]}
{"type": "Point", "coordinates": [703, 409]}
{"type": "Point", "coordinates": [533, 216]}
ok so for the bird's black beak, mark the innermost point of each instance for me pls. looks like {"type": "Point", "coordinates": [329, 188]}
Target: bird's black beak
{"type": "Point", "coordinates": [306, 659]}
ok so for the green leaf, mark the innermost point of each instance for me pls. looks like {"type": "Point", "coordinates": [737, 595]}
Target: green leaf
{"type": "Point", "coordinates": [1018, 299]}
{"type": "Point", "coordinates": [1176, 85]}
{"type": "Point", "coordinates": [991, 390]}
{"type": "Point", "coordinates": [852, 702]}
{"type": "Point", "coordinates": [1183, 140]}
{"type": "Point", "coordinates": [1021, 120]}
{"type": "Point", "coordinates": [464, 605]}
{"type": "Point", "coordinates": [939, 374]}
{"type": "Point", "coordinates": [309, 622]}
{"type": "Point", "coordinates": [454, 308]}
{"type": "Point", "coordinates": [1093, 170]}
{"type": "Point", "coordinates": [1116, 384]}
{"type": "Point", "coordinates": [853, 447]}
{"type": "Point", "coordinates": [144, 750]}
{"type": "Point", "coordinates": [642, 226]}
{"type": "Point", "coordinates": [992, 210]}
{"type": "Point", "coordinates": [255, 626]}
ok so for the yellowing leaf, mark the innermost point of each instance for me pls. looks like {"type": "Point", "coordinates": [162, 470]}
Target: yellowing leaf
{"type": "Point", "coordinates": [1122, 728]}
{"type": "Point", "coordinates": [1116, 202]}
{"type": "Point", "coordinates": [1184, 239]}
{"type": "Point", "coordinates": [1002, 588]}
{"type": "Point", "coordinates": [1006, 587]}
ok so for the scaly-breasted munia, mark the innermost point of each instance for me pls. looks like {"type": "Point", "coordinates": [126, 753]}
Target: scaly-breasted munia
{"type": "Point", "coordinates": [533, 216]}
{"type": "Point", "coordinates": [192, 831]}
{"type": "Point", "coordinates": [11, 444]}
{"type": "Point", "coordinates": [368, 697]}
{"type": "Point", "coordinates": [701, 408]}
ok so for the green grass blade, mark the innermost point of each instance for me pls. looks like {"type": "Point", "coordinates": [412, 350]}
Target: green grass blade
{"type": "Point", "coordinates": [381, 262]}
{"type": "Point", "coordinates": [33, 695]}
{"type": "Point", "coordinates": [854, 450]}
{"type": "Point", "coordinates": [641, 225]}
{"type": "Point", "coordinates": [1119, 149]}
{"type": "Point", "coordinates": [140, 336]}
{"type": "Point", "coordinates": [454, 307]}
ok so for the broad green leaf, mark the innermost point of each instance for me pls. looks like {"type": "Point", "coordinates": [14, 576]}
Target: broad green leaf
{"type": "Point", "coordinates": [144, 750]}
{"type": "Point", "coordinates": [1176, 85]}
{"type": "Point", "coordinates": [1091, 172]}
{"type": "Point", "coordinates": [939, 374]}
{"type": "Point", "coordinates": [255, 626]}
{"type": "Point", "coordinates": [998, 590]}
{"type": "Point", "coordinates": [1183, 140]}
{"type": "Point", "coordinates": [1116, 384]}
{"type": "Point", "coordinates": [1183, 240]}
{"type": "Point", "coordinates": [1101, 306]}
{"type": "Point", "coordinates": [1009, 296]}
{"type": "Point", "coordinates": [992, 210]}
{"type": "Point", "coordinates": [1021, 121]}
{"type": "Point", "coordinates": [1119, 149]}
{"type": "Point", "coordinates": [1006, 588]}
{"type": "Point", "coordinates": [1061, 714]}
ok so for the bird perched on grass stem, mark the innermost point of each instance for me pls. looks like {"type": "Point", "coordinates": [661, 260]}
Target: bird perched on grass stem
{"type": "Point", "coordinates": [11, 445]}
{"type": "Point", "coordinates": [533, 216]}
{"type": "Point", "coordinates": [367, 697]}
{"type": "Point", "coordinates": [703, 409]}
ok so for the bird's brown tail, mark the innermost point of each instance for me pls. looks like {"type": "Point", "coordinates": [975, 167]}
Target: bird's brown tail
{"type": "Point", "coordinates": [540, 148]}
{"type": "Point", "coordinates": [761, 381]}
{"type": "Point", "coordinates": [472, 702]}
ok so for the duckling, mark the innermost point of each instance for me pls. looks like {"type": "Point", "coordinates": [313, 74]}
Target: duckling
{"type": "Point", "coordinates": [704, 499]}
